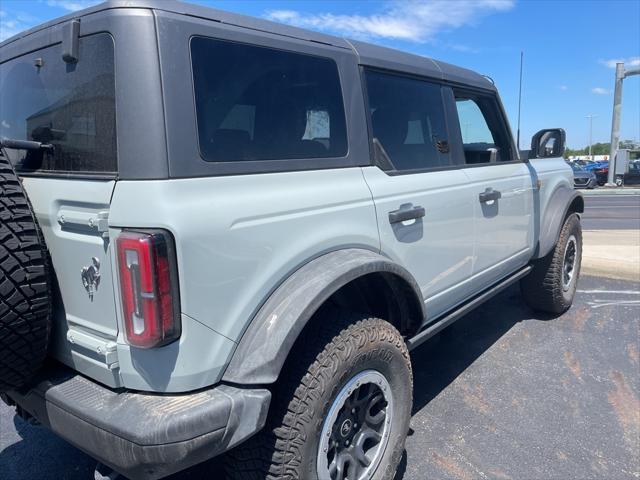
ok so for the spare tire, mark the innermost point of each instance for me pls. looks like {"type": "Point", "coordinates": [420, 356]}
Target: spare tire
{"type": "Point", "coordinates": [25, 286]}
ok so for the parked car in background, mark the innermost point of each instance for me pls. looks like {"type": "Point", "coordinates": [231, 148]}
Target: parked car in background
{"type": "Point", "coordinates": [602, 174]}
{"type": "Point", "coordinates": [582, 163]}
{"type": "Point", "coordinates": [583, 178]}
{"type": "Point", "coordinates": [595, 165]}
{"type": "Point", "coordinates": [632, 176]}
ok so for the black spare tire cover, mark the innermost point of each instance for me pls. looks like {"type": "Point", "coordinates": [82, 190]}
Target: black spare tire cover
{"type": "Point", "coordinates": [25, 286]}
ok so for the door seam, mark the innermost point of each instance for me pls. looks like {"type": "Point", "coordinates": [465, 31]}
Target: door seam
{"type": "Point", "coordinates": [375, 210]}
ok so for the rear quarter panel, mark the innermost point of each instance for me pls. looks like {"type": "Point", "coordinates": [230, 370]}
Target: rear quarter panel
{"type": "Point", "coordinates": [237, 238]}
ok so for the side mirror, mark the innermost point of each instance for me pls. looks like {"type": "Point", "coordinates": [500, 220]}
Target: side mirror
{"type": "Point", "coordinates": [548, 143]}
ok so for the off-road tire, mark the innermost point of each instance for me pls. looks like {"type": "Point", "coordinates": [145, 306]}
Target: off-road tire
{"type": "Point", "coordinates": [543, 289]}
{"type": "Point", "coordinates": [25, 287]}
{"type": "Point", "coordinates": [330, 354]}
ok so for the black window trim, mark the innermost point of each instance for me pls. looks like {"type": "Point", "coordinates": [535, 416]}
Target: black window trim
{"type": "Point", "coordinates": [449, 118]}
{"type": "Point", "coordinates": [67, 174]}
{"type": "Point", "coordinates": [249, 167]}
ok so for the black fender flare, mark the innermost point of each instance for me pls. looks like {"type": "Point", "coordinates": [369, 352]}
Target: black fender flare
{"type": "Point", "coordinates": [265, 345]}
{"type": "Point", "coordinates": [557, 208]}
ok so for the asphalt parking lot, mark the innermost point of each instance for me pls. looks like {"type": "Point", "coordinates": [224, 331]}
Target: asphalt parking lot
{"type": "Point", "coordinates": [510, 394]}
{"type": "Point", "coordinates": [503, 394]}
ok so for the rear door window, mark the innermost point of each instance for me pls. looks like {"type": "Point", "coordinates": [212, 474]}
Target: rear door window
{"type": "Point", "coordinates": [71, 106]}
{"type": "Point", "coordinates": [257, 103]}
{"type": "Point", "coordinates": [408, 122]}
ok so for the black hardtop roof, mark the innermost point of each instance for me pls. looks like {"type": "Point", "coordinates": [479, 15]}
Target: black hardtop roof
{"type": "Point", "coordinates": [368, 54]}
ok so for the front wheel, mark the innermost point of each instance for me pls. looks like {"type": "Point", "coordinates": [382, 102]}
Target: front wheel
{"type": "Point", "coordinates": [341, 412]}
{"type": "Point", "coordinates": [551, 285]}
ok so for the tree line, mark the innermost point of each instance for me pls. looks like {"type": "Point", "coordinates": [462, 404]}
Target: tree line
{"type": "Point", "coordinates": [600, 148]}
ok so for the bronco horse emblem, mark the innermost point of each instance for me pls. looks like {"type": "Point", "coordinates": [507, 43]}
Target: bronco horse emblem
{"type": "Point", "coordinates": [91, 277]}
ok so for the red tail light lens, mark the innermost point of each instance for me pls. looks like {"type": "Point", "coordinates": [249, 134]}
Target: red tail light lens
{"type": "Point", "coordinates": [149, 287]}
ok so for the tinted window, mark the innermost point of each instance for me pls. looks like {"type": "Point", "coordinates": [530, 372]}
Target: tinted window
{"type": "Point", "coordinates": [484, 136]}
{"type": "Point", "coordinates": [255, 103]}
{"type": "Point", "coordinates": [407, 118]}
{"type": "Point", "coordinates": [71, 106]}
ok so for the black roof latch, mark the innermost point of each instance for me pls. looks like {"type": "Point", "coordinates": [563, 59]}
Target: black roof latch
{"type": "Point", "coordinates": [70, 34]}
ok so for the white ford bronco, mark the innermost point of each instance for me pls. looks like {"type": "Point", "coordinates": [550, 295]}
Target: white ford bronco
{"type": "Point", "coordinates": [223, 235]}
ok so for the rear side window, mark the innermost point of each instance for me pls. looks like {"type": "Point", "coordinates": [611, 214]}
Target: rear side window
{"type": "Point", "coordinates": [256, 103]}
{"type": "Point", "coordinates": [71, 106]}
{"type": "Point", "coordinates": [484, 136]}
{"type": "Point", "coordinates": [408, 123]}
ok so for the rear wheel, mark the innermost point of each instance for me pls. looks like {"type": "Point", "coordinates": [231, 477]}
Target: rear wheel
{"type": "Point", "coordinates": [552, 284]}
{"type": "Point", "coordinates": [25, 293]}
{"type": "Point", "coordinates": [342, 410]}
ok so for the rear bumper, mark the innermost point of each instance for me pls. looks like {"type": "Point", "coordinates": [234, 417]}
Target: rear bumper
{"type": "Point", "coordinates": [143, 435]}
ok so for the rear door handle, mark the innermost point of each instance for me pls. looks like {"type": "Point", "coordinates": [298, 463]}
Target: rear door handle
{"type": "Point", "coordinates": [405, 214]}
{"type": "Point", "coordinates": [489, 194]}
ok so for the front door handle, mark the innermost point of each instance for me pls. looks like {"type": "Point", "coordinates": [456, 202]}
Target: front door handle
{"type": "Point", "coordinates": [405, 214]}
{"type": "Point", "coordinates": [489, 194]}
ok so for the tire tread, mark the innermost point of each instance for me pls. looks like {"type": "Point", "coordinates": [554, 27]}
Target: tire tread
{"type": "Point", "coordinates": [275, 452]}
{"type": "Point", "coordinates": [25, 287]}
{"type": "Point", "coordinates": [542, 288]}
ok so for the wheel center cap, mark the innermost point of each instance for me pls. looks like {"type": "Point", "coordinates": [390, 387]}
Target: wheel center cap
{"type": "Point", "coordinates": [345, 428]}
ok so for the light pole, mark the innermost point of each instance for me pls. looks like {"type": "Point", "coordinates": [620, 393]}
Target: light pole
{"type": "Point", "coordinates": [591, 116]}
{"type": "Point", "coordinates": [621, 74]}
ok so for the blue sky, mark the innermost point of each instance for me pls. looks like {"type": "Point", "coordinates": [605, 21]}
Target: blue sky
{"type": "Point", "coordinates": [570, 47]}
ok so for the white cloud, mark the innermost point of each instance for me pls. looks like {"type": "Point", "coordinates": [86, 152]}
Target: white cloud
{"type": "Point", "coordinates": [628, 62]}
{"type": "Point", "coordinates": [9, 27]}
{"type": "Point", "coordinates": [600, 91]}
{"type": "Point", "coordinates": [414, 20]}
{"type": "Point", "coordinates": [564, 88]}
{"type": "Point", "coordinates": [72, 5]}
{"type": "Point", "coordinates": [16, 22]}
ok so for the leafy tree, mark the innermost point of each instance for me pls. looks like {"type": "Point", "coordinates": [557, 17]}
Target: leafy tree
{"type": "Point", "coordinates": [600, 148]}
{"type": "Point", "coordinates": [630, 144]}
{"type": "Point", "coordinates": [568, 152]}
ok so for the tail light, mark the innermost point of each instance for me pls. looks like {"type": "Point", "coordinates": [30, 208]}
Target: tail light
{"type": "Point", "coordinates": [149, 287]}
